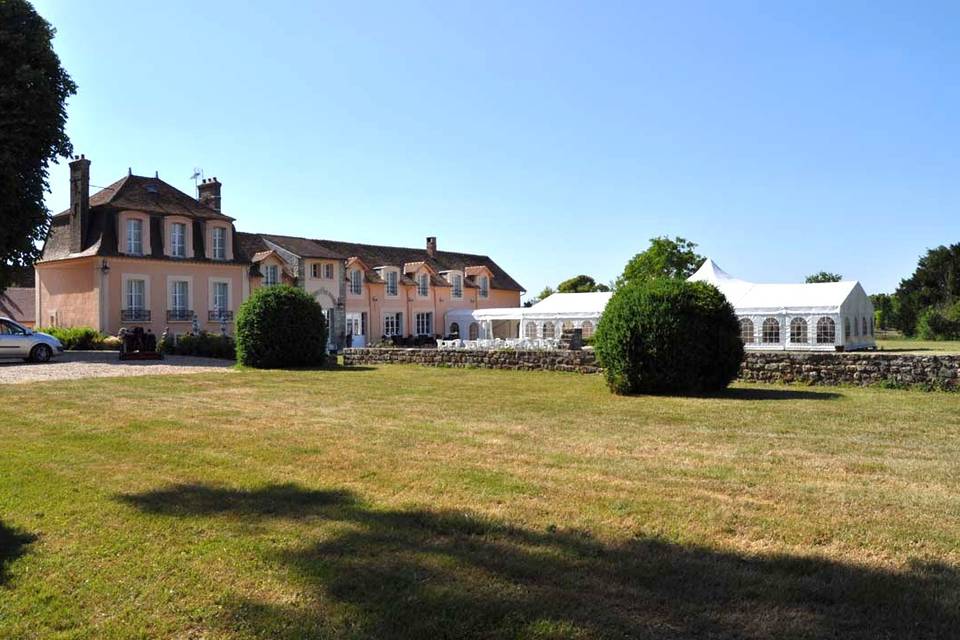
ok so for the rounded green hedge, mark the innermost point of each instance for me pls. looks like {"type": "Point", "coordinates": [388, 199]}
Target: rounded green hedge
{"type": "Point", "coordinates": [668, 336]}
{"type": "Point", "coordinates": [281, 326]}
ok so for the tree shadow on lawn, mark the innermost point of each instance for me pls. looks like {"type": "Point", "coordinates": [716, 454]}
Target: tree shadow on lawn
{"type": "Point", "coordinates": [747, 393]}
{"type": "Point", "coordinates": [13, 544]}
{"type": "Point", "coordinates": [436, 574]}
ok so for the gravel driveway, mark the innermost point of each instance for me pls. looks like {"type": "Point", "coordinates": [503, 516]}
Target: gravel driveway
{"type": "Point", "coordinates": [105, 364]}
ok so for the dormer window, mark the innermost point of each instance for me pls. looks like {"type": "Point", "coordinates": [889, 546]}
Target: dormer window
{"type": "Point", "coordinates": [135, 236]}
{"type": "Point", "coordinates": [484, 286]}
{"type": "Point", "coordinates": [457, 281]}
{"type": "Point", "coordinates": [178, 240]}
{"type": "Point", "coordinates": [219, 243]}
{"type": "Point", "coordinates": [356, 282]}
{"type": "Point", "coordinates": [392, 278]}
{"type": "Point", "coordinates": [271, 275]}
{"type": "Point", "coordinates": [423, 285]}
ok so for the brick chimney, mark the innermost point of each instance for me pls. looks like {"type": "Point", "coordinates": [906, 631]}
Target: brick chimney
{"type": "Point", "coordinates": [79, 202]}
{"type": "Point", "coordinates": [209, 193]}
{"type": "Point", "coordinates": [432, 246]}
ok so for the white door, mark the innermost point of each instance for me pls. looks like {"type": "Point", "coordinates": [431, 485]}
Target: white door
{"type": "Point", "coordinates": [355, 329]}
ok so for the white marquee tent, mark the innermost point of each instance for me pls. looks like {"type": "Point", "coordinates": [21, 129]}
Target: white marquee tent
{"type": "Point", "coordinates": [819, 316]}
{"type": "Point", "coordinates": [809, 317]}
{"type": "Point", "coordinates": [546, 319]}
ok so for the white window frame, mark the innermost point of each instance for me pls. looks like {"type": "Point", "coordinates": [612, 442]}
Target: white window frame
{"type": "Point", "coordinates": [219, 243]}
{"type": "Point", "coordinates": [423, 285]}
{"type": "Point", "coordinates": [268, 269]}
{"type": "Point", "coordinates": [392, 286]}
{"type": "Point", "coordinates": [457, 282]}
{"type": "Point", "coordinates": [128, 298]}
{"type": "Point", "coordinates": [171, 290]}
{"type": "Point", "coordinates": [328, 271]}
{"type": "Point", "coordinates": [484, 286]}
{"type": "Point", "coordinates": [356, 282]}
{"type": "Point", "coordinates": [393, 324]}
{"type": "Point", "coordinates": [135, 240]}
{"type": "Point", "coordinates": [424, 323]}
{"type": "Point", "coordinates": [315, 270]}
{"type": "Point", "coordinates": [178, 242]}
{"type": "Point", "coordinates": [214, 285]}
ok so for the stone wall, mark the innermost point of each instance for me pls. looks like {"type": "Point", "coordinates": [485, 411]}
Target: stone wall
{"type": "Point", "coordinates": [859, 368]}
{"type": "Point", "coordinates": [558, 360]}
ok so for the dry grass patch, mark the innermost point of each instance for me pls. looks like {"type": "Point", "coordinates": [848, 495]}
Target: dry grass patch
{"type": "Point", "coordinates": [413, 502]}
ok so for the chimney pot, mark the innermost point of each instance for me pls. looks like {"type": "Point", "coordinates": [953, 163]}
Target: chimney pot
{"type": "Point", "coordinates": [79, 202]}
{"type": "Point", "coordinates": [431, 246]}
{"type": "Point", "coordinates": [208, 193]}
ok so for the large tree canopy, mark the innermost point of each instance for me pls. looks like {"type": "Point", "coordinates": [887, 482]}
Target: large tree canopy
{"type": "Point", "coordinates": [665, 258]}
{"type": "Point", "coordinates": [824, 276]}
{"type": "Point", "coordinates": [581, 284]}
{"type": "Point", "coordinates": [934, 285]}
{"type": "Point", "coordinates": [33, 93]}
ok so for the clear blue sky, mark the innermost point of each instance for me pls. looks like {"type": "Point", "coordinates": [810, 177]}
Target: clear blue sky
{"type": "Point", "coordinates": [783, 137]}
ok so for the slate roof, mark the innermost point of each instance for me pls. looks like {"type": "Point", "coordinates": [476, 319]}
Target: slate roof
{"type": "Point", "coordinates": [441, 261]}
{"type": "Point", "coordinates": [19, 304]}
{"type": "Point", "coordinates": [153, 195]}
{"type": "Point", "coordinates": [404, 257]}
{"type": "Point", "coordinates": [137, 193]}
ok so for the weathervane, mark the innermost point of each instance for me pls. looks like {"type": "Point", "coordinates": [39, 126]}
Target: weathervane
{"type": "Point", "coordinates": [197, 177]}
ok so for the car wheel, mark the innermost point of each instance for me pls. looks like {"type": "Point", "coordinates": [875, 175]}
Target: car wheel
{"type": "Point", "coordinates": [41, 353]}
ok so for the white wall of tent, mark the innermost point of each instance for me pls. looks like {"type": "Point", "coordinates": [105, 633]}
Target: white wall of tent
{"type": "Point", "coordinates": [830, 316]}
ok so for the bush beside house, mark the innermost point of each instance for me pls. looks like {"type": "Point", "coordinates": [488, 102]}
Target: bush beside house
{"type": "Point", "coordinates": [668, 336]}
{"type": "Point", "coordinates": [203, 344]}
{"type": "Point", "coordinates": [281, 326]}
{"type": "Point", "coordinates": [76, 338]}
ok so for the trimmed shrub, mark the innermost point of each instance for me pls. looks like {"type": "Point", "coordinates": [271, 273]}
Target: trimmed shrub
{"type": "Point", "coordinates": [668, 336]}
{"type": "Point", "coordinates": [203, 344]}
{"type": "Point", "coordinates": [281, 326]}
{"type": "Point", "coordinates": [76, 338]}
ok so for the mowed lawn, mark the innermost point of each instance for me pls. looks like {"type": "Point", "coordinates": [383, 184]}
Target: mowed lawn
{"type": "Point", "coordinates": [404, 502]}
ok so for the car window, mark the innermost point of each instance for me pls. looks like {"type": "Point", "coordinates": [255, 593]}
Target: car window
{"type": "Point", "coordinates": [10, 329]}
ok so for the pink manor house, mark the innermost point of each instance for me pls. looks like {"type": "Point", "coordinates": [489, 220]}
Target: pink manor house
{"type": "Point", "coordinates": [141, 253]}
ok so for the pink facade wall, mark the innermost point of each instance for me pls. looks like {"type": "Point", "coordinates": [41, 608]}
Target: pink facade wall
{"type": "Point", "coordinates": [158, 274]}
{"type": "Point", "coordinates": [68, 293]}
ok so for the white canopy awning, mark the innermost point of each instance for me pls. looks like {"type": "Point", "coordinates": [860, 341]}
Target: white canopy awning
{"type": "Point", "coordinates": [569, 305]}
{"type": "Point", "coordinates": [749, 297]}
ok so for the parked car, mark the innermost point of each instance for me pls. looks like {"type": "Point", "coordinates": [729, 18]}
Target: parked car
{"type": "Point", "coordinates": [16, 341]}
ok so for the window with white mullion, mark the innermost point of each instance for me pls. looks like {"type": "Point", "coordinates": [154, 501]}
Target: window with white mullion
{"type": "Point", "coordinates": [135, 236]}
{"type": "Point", "coordinates": [221, 296]}
{"type": "Point", "coordinates": [457, 286]}
{"type": "Point", "coordinates": [424, 324]}
{"type": "Point", "coordinates": [178, 240]}
{"type": "Point", "coordinates": [180, 296]}
{"type": "Point", "coordinates": [392, 280]}
{"type": "Point", "coordinates": [219, 243]}
{"type": "Point", "coordinates": [423, 285]}
{"type": "Point", "coordinates": [484, 286]}
{"type": "Point", "coordinates": [136, 298]}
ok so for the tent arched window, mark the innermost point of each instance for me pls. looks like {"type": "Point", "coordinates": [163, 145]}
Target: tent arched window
{"type": "Point", "coordinates": [798, 331]}
{"type": "Point", "coordinates": [864, 326]}
{"type": "Point", "coordinates": [586, 329]}
{"type": "Point", "coordinates": [530, 330]}
{"type": "Point", "coordinates": [771, 331]}
{"type": "Point", "coordinates": [548, 331]}
{"type": "Point", "coordinates": [826, 331]}
{"type": "Point", "coordinates": [455, 329]}
{"type": "Point", "coordinates": [746, 331]}
{"type": "Point", "coordinates": [473, 331]}
{"type": "Point", "coordinates": [846, 328]}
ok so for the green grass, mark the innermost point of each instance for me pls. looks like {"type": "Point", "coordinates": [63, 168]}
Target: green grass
{"type": "Point", "coordinates": [425, 503]}
{"type": "Point", "coordinates": [913, 345]}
